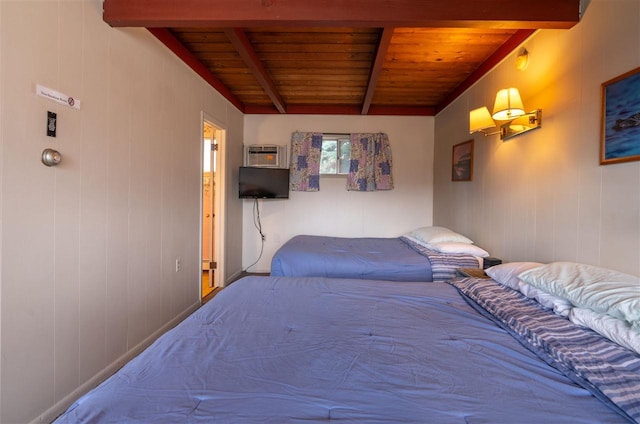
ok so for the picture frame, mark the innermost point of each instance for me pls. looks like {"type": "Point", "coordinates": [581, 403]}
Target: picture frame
{"type": "Point", "coordinates": [462, 161]}
{"type": "Point", "coordinates": [620, 127]}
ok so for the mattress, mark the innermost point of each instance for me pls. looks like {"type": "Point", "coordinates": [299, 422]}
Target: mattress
{"type": "Point", "coordinates": [391, 259]}
{"type": "Point", "coordinates": [293, 350]}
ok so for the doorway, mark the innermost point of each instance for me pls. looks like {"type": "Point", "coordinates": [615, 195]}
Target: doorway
{"type": "Point", "coordinates": [212, 194]}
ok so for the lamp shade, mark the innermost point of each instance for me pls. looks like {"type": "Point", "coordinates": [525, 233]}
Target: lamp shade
{"type": "Point", "coordinates": [480, 119]}
{"type": "Point", "coordinates": [508, 105]}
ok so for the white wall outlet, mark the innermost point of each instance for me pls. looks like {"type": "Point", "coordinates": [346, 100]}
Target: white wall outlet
{"type": "Point", "coordinates": [178, 264]}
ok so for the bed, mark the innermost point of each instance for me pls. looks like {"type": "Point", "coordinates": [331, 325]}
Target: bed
{"type": "Point", "coordinates": [293, 350]}
{"type": "Point", "coordinates": [391, 259]}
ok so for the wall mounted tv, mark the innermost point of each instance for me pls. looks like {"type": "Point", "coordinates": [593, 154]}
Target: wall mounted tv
{"type": "Point", "coordinates": [263, 183]}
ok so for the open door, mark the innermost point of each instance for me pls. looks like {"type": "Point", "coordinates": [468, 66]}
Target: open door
{"type": "Point", "coordinates": [212, 137]}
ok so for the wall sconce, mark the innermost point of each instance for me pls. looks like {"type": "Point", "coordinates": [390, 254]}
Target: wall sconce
{"type": "Point", "coordinates": [508, 115]}
{"type": "Point", "coordinates": [522, 60]}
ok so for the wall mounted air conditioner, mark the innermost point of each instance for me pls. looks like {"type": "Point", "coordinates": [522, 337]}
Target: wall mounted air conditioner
{"type": "Point", "coordinates": [266, 155]}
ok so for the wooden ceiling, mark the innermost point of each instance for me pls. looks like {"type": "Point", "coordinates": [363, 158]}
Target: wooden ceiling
{"type": "Point", "coordinates": [394, 57]}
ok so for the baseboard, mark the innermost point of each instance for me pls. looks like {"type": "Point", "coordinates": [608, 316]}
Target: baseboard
{"type": "Point", "coordinates": [233, 278]}
{"type": "Point", "coordinates": [59, 407]}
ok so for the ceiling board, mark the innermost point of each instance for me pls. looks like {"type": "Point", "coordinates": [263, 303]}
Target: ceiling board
{"type": "Point", "coordinates": [330, 56]}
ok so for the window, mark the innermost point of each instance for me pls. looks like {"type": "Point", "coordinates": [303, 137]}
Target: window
{"type": "Point", "coordinates": [336, 151]}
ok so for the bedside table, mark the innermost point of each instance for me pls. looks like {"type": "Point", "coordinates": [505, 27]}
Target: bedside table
{"type": "Point", "coordinates": [471, 272]}
{"type": "Point", "coordinates": [490, 261]}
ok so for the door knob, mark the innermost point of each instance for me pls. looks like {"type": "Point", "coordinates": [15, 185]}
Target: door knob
{"type": "Point", "coordinates": [51, 157]}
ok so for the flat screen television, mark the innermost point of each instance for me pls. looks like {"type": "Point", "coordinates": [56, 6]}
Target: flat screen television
{"type": "Point", "coordinates": [263, 183]}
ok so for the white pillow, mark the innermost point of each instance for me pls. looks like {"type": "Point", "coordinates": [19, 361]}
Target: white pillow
{"type": "Point", "coordinates": [415, 240]}
{"type": "Point", "coordinates": [460, 248]}
{"type": "Point", "coordinates": [614, 329]}
{"type": "Point", "coordinates": [437, 235]}
{"type": "Point", "coordinates": [559, 305]}
{"type": "Point", "coordinates": [602, 290]}
{"type": "Point", "coordinates": [507, 273]}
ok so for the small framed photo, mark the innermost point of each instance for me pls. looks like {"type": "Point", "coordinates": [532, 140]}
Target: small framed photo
{"type": "Point", "coordinates": [462, 161]}
{"type": "Point", "coordinates": [620, 139]}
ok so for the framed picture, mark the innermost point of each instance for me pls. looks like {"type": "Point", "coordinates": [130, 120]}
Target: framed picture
{"type": "Point", "coordinates": [620, 139]}
{"type": "Point", "coordinates": [462, 161]}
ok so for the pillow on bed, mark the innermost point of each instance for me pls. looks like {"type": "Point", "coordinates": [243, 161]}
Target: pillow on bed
{"type": "Point", "coordinates": [614, 329]}
{"type": "Point", "coordinates": [437, 235]}
{"type": "Point", "coordinates": [507, 273]}
{"type": "Point", "coordinates": [461, 248]}
{"type": "Point", "coordinates": [599, 289]}
{"type": "Point", "coordinates": [559, 305]}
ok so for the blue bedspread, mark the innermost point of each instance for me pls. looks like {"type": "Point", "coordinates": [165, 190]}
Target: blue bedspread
{"type": "Point", "coordinates": [294, 350]}
{"type": "Point", "coordinates": [388, 259]}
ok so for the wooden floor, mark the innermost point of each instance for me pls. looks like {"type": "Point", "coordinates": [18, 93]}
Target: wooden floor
{"type": "Point", "coordinates": [206, 290]}
{"type": "Point", "coordinates": [210, 296]}
{"type": "Point", "coordinates": [209, 292]}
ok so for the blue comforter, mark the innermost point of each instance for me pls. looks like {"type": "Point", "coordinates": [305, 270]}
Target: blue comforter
{"type": "Point", "coordinates": [388, 259]}
{"type": "Point", "coordinates": [294, 350]}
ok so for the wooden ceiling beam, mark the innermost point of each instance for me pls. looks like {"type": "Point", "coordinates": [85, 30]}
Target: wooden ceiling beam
{"type": "Point", "coordinates": [344, 110]}
{"type": "Point", "coordinates": [516, 39]}
{"type": "Point", "coordinates": [169, 40]}
{"type": "Point", "coordinates": [381, 53]}
{"type": "Point", "coordinates": [244, 48]}
{"type": "Point", "coordinates": [541, 14]}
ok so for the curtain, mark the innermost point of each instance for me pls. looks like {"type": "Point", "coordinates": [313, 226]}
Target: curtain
{"type": "Point", "coordinates": [370, 165]}
{"type": "Point", "coordinates": [306, 149]}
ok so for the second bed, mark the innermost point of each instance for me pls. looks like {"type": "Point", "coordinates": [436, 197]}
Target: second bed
{"type": "Point", "coordinates": [390, 259]}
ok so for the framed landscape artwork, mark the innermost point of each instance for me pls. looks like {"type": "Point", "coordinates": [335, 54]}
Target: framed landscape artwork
{"type": "Point", "coordinates": [462, 161]}
{"type": "Point", "coordinates": [620, 139]}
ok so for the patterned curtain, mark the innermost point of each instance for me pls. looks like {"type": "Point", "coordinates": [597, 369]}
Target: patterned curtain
{"type": "Point", "coordinates": [370, 165]}
{"type": "Point", "coordinates": [306, 149]}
